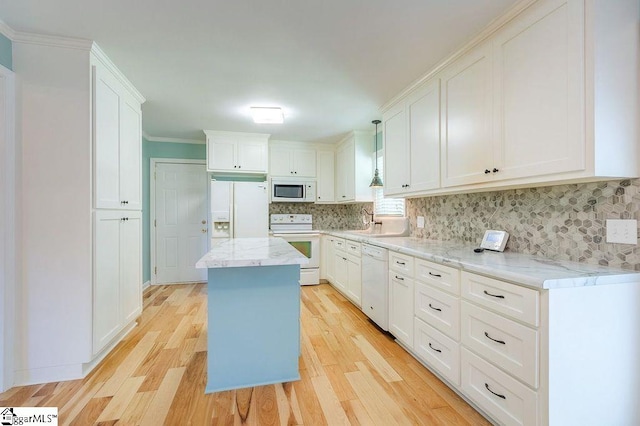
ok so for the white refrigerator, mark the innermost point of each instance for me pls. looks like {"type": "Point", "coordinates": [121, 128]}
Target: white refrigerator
{"type": "Point", "coordinates": [239, 209]}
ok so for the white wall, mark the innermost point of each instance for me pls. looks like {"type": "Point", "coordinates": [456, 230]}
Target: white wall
{"type": "Point", "coordinates": [7, 225]}
{"type": "Point", "coordinates": [54, 301]}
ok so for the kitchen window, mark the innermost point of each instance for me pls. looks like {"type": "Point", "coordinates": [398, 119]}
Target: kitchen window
{"type": "Point", "coordinates": [386, 206]}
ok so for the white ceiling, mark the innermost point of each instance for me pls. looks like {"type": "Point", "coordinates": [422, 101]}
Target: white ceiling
{"type": "Point", "coordinates": [200, 64]}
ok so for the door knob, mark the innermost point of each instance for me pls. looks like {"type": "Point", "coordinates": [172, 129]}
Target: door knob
{"type": "Point", "coordinates": [204, 231]}
{"type": "Point", "coordinates": [204, 222]}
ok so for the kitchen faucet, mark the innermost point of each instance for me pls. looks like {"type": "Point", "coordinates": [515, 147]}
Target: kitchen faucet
{"type": "Point", "coordinates": [372, 221]}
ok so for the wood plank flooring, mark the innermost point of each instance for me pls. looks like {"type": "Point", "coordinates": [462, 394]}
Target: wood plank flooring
{"type": "Point", "coordinates": [351, 372]}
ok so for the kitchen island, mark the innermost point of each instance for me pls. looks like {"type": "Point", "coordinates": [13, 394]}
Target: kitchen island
{"type": "Point", "coordinates": [253, 312]}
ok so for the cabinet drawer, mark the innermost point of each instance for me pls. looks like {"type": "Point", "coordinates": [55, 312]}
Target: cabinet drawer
{"type": "Point", "coordinates": [512, 300]}
{"type": "Point", "coordinates": [443, 277]}
{"type": "Point", "coordinates": [512, 346]}
{"type": "Point", "coordinates": [503, 397]}
{"type": "Point", "coordinates": [353, 248]}
{"type": "Point", "coordinates": [437, 350]}
{"type": "Point", "coordinates": [401, 263]}
{"type": "Point", "coordinates": [339, 244]}
{"type": "Point", "coordinates": [438, 309]}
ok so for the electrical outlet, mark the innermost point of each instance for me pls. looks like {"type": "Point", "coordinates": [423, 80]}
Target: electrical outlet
{"type": "Point", "coordinates": [420, 222]}
{"type": "Point", "coordinates": [622, 231]}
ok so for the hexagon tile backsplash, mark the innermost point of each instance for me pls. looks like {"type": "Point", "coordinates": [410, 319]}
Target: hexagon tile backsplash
{"type": "Point", "coordinates": [562, 222]}
{"type": "Point", "coordinates": [326, 216]}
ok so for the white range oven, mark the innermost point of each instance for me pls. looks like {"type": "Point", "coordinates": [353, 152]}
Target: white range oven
{"type": "Point", "coordinates": [296, 230]}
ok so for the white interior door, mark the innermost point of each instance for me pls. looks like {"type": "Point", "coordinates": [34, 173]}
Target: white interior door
{"type": "Point", "coordinates": [181, 222]}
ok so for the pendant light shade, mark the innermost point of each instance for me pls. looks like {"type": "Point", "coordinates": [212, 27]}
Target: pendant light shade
{"type": "Point", "coordinates": [376, 182]}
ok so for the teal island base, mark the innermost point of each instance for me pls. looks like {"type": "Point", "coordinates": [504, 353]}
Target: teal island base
{"type": "Point", "coordinates": [253, 326]}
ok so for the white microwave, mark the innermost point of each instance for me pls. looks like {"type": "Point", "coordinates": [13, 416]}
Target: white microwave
{"type": "Point", "coordinates": [293, 191]}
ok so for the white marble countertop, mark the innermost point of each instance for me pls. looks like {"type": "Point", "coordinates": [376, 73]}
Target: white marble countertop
{"type": "Point", "coordinates": [237, 252]}
{"type": "Point", "coordinates": [533, 271]}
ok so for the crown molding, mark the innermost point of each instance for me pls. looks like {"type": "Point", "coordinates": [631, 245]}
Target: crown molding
{"type": "Point", "coordinates": [487, 32]}
{"type": "Point", "coordinates": [50, 40]}
{"type": "Point", "coordinates": [104, 59]}
{"type": "Point", "coordinates": [150, 138]}
{"type": "Point", "coordinates": [6, 30]}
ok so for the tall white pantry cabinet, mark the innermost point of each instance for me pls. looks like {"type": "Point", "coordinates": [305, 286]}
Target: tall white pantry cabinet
{"type": "Point", "coordinates": [79, 131]}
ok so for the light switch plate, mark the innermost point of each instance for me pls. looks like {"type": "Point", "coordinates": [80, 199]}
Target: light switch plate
{"type": "Point", "coordinates": [420, 223]}
{"type": "Point", "coordinates": [622, 231]}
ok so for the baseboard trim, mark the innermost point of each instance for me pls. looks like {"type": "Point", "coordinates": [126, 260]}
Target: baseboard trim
{"type": "Point", "coordinates": [87, 367]}
{"type": "Point", "coordinates": [146, 285]}
{"type": "Point", "coordinates": [61, 373]}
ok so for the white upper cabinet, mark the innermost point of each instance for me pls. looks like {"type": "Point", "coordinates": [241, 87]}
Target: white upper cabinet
{"type": "Point", "coordinates": [550, 95]}
{"type": "Point", "coordinates": [412, 137]}
{"type": "Point", "coordinates": [354, 168]}
{"type": "Point", "coordinates": [538, 77]}
{"type": "Point", "coordinates": [287, 160]}
{"type": "Point", "coordinates": [117, 143]}
{"type": "Point", "coordinates": [325, 182]}
{"type": "Point", "coordinates": [396, 150]}
{"type": "Point", "coordinates": [231, 152]}
{"type": "Point", "coordinates": [467, 144]}
{"type": "Point", "coordinates": [131, 153]}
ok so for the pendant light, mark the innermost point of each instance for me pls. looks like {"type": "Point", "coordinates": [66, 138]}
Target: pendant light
{"type": "Point", "coordinates": [376, 182]}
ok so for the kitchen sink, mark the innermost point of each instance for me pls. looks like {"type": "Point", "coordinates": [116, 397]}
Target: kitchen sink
{"type": "Point", "coordinates": [390, 227]}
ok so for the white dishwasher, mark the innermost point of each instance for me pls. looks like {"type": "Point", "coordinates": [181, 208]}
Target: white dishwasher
{"type": "Point", "coordinates": [375, 288]}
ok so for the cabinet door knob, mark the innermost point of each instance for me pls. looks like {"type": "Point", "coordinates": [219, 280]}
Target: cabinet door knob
{"type": "Point", "coordinates": [239, 167]}
{"type": "Point", "coordinates": [487, 171]}
{"type": "Point", "coordinates": [495, 170]}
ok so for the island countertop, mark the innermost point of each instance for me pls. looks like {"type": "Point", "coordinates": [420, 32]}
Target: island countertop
{"type": "Point", "coordinates": [239, 252]}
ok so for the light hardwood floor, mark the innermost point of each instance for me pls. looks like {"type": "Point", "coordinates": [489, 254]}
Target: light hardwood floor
{"type": "Point", "coordinates": [351, 372]}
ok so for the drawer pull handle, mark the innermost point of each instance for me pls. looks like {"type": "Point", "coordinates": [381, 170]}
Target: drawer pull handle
{"type": "Point", "coordinates": [435, 309]}
{"type": "Point", "coordinates": [491, 338]}
{"type": "Point", "coordinates": [437, 350]}
{"type": "Point", "coordinates": [486, 385]}
{"type": "Point", "coordinates": [499, 296]}
{"type": "Point", "coordinates": [400, 263]}
{"type": "Point", "coordinates": [435, 275]}
{"type": "Point", "coordinates": [399, 278]}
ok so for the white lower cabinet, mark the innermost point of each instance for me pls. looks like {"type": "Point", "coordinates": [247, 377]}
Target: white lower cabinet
{"type": "Point", "coordinates": [117, 292]}
{"type": "Point", "coordinates": [522, 356]}
{"type": "Point", "coordinates": [329, 262]}
{"type": "Point", "coordinates": [354, 279]}
{"type": "Point", "coordinates": [512, 346]}
{"type": "Point", "coordinates": [500, 395]}
{"type": "Point", "coordinates": [437, 350]}
{"type": "Point", "coordinates": [437, 308]}
{"type": "Point", "coordinates": [347, 272]}
{"type": "Point", "coordinates": [401, 307]}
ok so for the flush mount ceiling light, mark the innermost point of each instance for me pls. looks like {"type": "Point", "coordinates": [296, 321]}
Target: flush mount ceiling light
{"type": "Point", "coordinates": [267, 115]}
